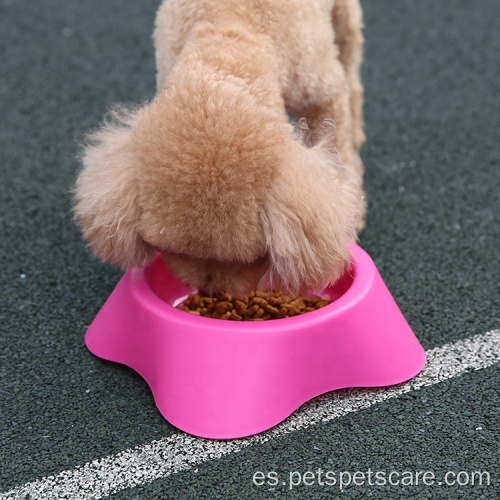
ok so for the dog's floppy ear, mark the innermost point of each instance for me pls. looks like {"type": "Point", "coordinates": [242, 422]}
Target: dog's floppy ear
{"type": "Point", "coordinates": [309, 218]}
{"type": "Point", "coordinates": [106, 194]}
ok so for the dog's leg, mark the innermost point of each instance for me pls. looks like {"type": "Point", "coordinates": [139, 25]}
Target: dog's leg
{"type": "Point", "coordinates": [347, 24]}
{"type": "Point", "coordinates": [330, 123]}
{"type": "Point", "coordinates": [330, 126]}
{"type": "Point", "coordinates": [328, 114]}
{"type": "Point", "coordinates": [334, 95]}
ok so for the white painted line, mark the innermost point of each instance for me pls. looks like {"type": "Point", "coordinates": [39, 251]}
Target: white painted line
{"type": "Point", "coordinates": [178, 452]}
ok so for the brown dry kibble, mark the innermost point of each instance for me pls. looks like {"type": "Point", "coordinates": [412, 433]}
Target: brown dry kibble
{"type": "Point", "coordinates": [271, 310]}
{"type": "Point", "coordinates": [241, 307]}
{"type": "Point", "coordinates": [259, 313]}
{"type": "Point", "coordinates": [258, 305]}
{"type": "Point", "coordinates": [236, 317]}
{"type": "Point", "coordinates": [222, 307]}
{"type": "Point", "coordinates": [226, 315]}
{"type": "Point", "coordinates": [252, 310]}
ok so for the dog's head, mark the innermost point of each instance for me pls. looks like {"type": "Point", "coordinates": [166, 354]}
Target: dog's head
{"type": "Point", "coordinates": [221, 187]}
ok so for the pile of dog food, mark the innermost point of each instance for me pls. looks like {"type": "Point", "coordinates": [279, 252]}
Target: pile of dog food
{"type": "Point", "coordinates": [256, 306]}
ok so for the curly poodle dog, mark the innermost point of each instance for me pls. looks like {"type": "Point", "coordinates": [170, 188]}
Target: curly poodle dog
{"type": "Point", "coordinates": [212, 172]}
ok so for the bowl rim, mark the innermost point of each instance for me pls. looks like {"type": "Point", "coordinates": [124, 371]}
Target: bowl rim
{"type": "Point", "coordinates": [363, 271]}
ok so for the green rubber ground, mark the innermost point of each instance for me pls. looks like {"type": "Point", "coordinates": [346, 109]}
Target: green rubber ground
{"type": "Point", "coordinates": [432, 80]}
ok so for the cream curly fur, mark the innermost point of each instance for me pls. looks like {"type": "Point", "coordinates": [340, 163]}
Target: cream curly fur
{"type": "Point", "coordinates": [211, 173]}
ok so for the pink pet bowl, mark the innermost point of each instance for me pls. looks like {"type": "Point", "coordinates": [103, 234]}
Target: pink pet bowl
{"type": "Point", "coordinates": [229, 379]}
